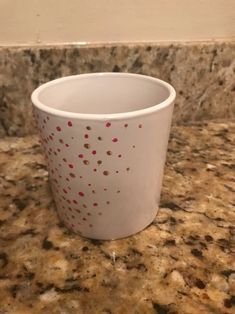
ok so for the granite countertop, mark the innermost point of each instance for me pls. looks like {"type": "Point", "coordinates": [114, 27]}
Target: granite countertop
{"type": "Point", "coordinates": [183, 263]}
{"type": "Point", "coordinates": [201, 72]}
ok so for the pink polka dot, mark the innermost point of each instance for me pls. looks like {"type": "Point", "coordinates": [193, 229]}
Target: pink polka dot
{"type": "Point", "coordinates": [67, 145]}
{"type": "Point", "coordinates": [86, 135]}
{"type": "Point", "coordinates": [80, 193]}
{"type": "Point", "coordinates": [80, 156]}
{"type": "Point", "coordinates": [140, 126]}
{"type": "Point", "coordinates": [95, 204]}
{"type": "Point", "coordinates": [108, 124]}
{"type": "Point", "coordinates": [94, 169]}
{"type": "Point", "coordinates": [70, 166]}
{"type": "Point", "coordinates": [64, 190]}
{"type": "Point", "coordinates": [70, 123]}
{"type": "Point", "coordinates": [94, 152]}
{"type": "Point", "coordinates": [58, 128]}
{"type": "Point", "coordinates": [115, 139]}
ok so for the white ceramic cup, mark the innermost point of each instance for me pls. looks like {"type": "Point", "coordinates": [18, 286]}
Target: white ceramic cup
{"type": "Point", "coordinates": [105, 139]}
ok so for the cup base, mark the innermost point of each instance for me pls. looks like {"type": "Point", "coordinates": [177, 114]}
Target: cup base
{"type": "Point", "coordinates": [107, 238]}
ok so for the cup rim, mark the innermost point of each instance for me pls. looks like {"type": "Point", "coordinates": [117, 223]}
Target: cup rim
{"type": "Point", "coordinates": [102, 117]}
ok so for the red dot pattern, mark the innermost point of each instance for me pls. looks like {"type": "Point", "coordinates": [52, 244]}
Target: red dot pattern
{"type": "Point", "coordinates": [77, 215]}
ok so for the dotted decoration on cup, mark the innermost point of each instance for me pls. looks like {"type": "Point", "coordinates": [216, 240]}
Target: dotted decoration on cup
{"type": "Point", "coordinates": [77, 210]}
{"type": "Point", "coordinates": [115, 139]}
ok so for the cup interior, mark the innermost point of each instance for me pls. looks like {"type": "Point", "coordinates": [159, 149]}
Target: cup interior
{"type": "Point", "coordinates": [103, 93]}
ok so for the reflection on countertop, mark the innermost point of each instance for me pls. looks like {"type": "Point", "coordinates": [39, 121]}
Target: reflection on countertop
{"type": "Point", "coordinates": [182, 263]}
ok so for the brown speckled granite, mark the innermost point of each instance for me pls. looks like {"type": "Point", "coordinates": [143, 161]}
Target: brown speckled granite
{"type": "Point", "coordinates": [202, 73]}
{"type": "Point", "coordinates": [183, 263]}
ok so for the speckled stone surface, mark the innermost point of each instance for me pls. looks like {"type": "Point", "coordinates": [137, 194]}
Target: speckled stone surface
{"type": "Point", "coordinates": [203, 75]}
{"type": "Point", "coordinates": [183, 263]}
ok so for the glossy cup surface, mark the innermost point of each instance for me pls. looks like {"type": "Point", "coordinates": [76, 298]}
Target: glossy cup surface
{"type": "Point", "coordinates": [105, 139]}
